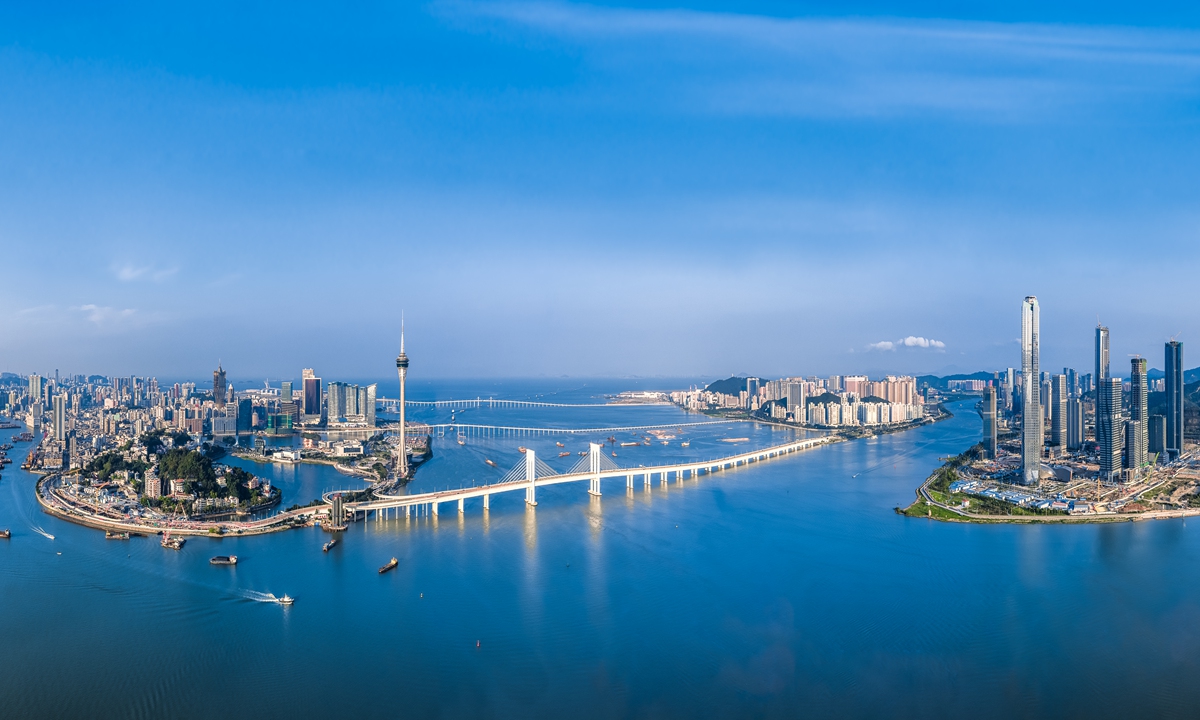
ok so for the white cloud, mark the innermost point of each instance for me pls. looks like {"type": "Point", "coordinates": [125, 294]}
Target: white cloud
{"type": "Point", "coordinates": [912, 341]}
{"type": "Point", "coordinates": [130, 273]}
{"type": "Point", "coordinates": [812, 66]}
{"type": "Point", "coordinates": [103, 315]}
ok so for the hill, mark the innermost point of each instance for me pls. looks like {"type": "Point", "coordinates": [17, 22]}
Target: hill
{"type": "Point", "coordinates": [729, 386]}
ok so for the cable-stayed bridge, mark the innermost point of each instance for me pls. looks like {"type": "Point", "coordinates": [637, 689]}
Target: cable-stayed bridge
{"type": "Point", "coordinates": [532, 473]}
{"type": "Point", "coordinates": [469, 430]}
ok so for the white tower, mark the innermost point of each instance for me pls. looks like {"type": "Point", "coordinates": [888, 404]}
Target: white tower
{"type": "Point", "coordinates": [402, 370]}
{"type": "Point", "coordinates": [1031, 444]}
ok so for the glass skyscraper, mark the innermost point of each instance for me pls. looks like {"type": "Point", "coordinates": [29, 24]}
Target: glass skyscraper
{"type": "Point", "coordinates": [1174, 388]}
{"type": "Point", "coordinates": [1136, 444]}
{"type": "Point", "coordinates": [1110, 436]}
{"type": "Point", "coordinates": [1031, 406]}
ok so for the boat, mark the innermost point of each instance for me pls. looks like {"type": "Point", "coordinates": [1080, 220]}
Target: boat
{"type": "Point", "coordinates": [523, 448]}
{"type": "Point", "coordinates": [326, 546]}
{"type": "Point", "coordinates": [630, 444]}
{"type": "Point", "coordinates": [583, 452]}
{"type": "Point", "coordinates": [614, 453]}
{"type": "Point", "coordinates": [666, 442]}
{"type": "Point", "coordinates": [286, 599]}
{"type": "Point", "coordinates": [5, 534]}
{"type": "Point", "coordinates": [223, 560]}
{"type": "Point", "coordinates": [110, 535]}
{"type": "Point", "coordinates": [169, 542]}
{"type": "Point", "coordinates": [462, 439]}
{"type": "Point", "coordinates": [563, 454]}
{"type": "Point", "coordinates": [685, 443]}
{"type": "Point", "coordinates": [559, 444]}
{"type": "Point", "coordinates": [489, 462]}
{"type": "Point", "coordinates": [391, 565]}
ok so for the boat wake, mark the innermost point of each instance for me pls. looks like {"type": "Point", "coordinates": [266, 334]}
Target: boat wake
{"type": "Point", "coordinates": [41, 532]}
{"type": "Point", "coordinates": [259, 596]}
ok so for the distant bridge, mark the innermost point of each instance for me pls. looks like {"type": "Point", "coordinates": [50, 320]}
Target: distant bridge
{"type": "Point", "coordinates": [392, 405]}
{"type": "Point", "coordinates": [514, 431]}
{"type": "Point", "coordinates": [532, 473]}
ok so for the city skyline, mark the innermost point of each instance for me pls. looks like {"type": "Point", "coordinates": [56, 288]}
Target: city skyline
{"type": "Point", "coordinates": [599, 172]}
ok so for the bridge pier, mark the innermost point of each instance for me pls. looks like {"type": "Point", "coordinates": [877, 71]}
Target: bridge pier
{"type": "Point", "coordinates": [487, 501]}
{"type": "Point", "coordinates": [460, 506]}
{"type": "Point", "coordinates": [629, 481]}
{"type": "Point", "coordinates": [433, 508]}
{"type": "Point", "coordinates": [407, 511]}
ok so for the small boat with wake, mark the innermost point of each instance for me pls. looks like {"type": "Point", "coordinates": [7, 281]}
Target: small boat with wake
{"type": "Point", "coordinates": [559, 444]}
{"type": "Point", "coordinates": [223, 560]}
{"type": "Point", "coordinates": [564, 454]}
{"type": "Point", "coordinates": [285, 600]}
{"type": "Point", "coordinates": [391, 565]}
{"type": "Point", "coordinates": [5, 534]}
{"type": "Point", "coordinates": [490, 462]}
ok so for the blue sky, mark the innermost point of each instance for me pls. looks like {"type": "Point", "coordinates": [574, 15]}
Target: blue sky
{"type": "Point", "coordinates": [599, 189]}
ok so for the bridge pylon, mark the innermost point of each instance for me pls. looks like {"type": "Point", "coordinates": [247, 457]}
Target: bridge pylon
{"type": "Point", "coordinates": [594, 468]}
{"type": "Point", "coordinates": [531, 477]}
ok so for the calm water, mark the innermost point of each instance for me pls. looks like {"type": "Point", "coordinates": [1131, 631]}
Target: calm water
{"type": "Point", "coordinates": [784, 589]}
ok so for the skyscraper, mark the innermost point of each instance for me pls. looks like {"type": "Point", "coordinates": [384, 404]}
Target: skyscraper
{"type": "Point", "coordinates": [312, 393]}
{"type": "Point", "coordinates": [1031, 412]}
{"type": "Point", "coordinates": [989, 422]}
{"type": "Point", "coordinates": [1158, 434]}
{"type": "Point", "coordinates": [1058, 412]}
{"type": "Point", "coordinates": [1174, 387]}
{"type": "Point", "coordinates": [60, 417]}
{"type": "Point", "coordinates": [1135, 431]}
{"type": "Point", "coordinates": [285, 391]}
{"type": "Point", "coordinates": [1101, 357]}
{"type": "Point", "coordinates": [219, 387]}
{"type": "Point", "coordinates": [35, 388]}
{"type": "Point", "coordinates": [1074, 423]}
{"type": "Point", "coordinates": [402, 371]}
{"type": "Point", "coordinates": [1110, 435]}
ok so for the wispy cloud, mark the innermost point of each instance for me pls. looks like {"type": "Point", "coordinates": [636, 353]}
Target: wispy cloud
{"type": "Point", "coordinates": [130, 273]}
{"type": "Point", "coordinates": [734, 63]}
{"type": "Point", "coordinates": [103, 315]}
{"type": "Point", "coordinates": [912, 341]}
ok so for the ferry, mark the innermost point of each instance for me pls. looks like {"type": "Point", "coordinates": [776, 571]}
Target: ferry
{"type": "Point", "coordinates": [172, 543]}
{"type": "Point", "coordinates": [224, 560]}
{"type": "Point", "coordinates": [326, 546]}
{"type": "Point", "coordinates": [563, 454]}
{"type": "Point", "coordinates": [489, 462]}
{"type": "Point", "coordinates": [391, 565]}
{"type": "Point", "coordinates": [5, 534]}
{"type": "Point", "coordinates": [110, 535]}
{"type": "Point", "coordinates": [286, 600]}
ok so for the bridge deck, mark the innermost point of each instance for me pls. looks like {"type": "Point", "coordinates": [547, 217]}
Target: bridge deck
{"type": "Point", "coordinates": [694, 468]}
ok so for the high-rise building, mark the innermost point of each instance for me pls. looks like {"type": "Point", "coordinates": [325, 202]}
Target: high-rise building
{"type": "Point", "coordinates": [285, 391]}
{"type": "Point", "coordinates": [219, 387]}
{"type": "Point", "coordinates": [1058, 412]}
{"type": "Point", "coordinates": [368, 409]}
{"type": "Point", "coordinates": [312, 394]}
{"type": "Point", "coordinates": [35, 388]}
{"type": "Point", "coordinates": [1102, 369]}
{"type": "Point", "coordinates": [1136, 444]}
{"type": "Point", "coordinates": [1158, 434]}
{"type": "Point", "coordinates": [795, 396]}
{"type": "Point", "coordinates": [1174, 388]}
{"type": "Point", "coordinates": [1074, 423]}
{"type": "Point", "coordinates": [1110, 434]}
{"type": "Point", "coordinates": [402, 371]}
{"type": "Point", "coordinates": [60, 417]}
{"type": "Point", "coordinates": [989, 422]}
{"type": "Point", "coordinates": [245, 415]}
{"type": "Point", "coordinates": [1031, 409]}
